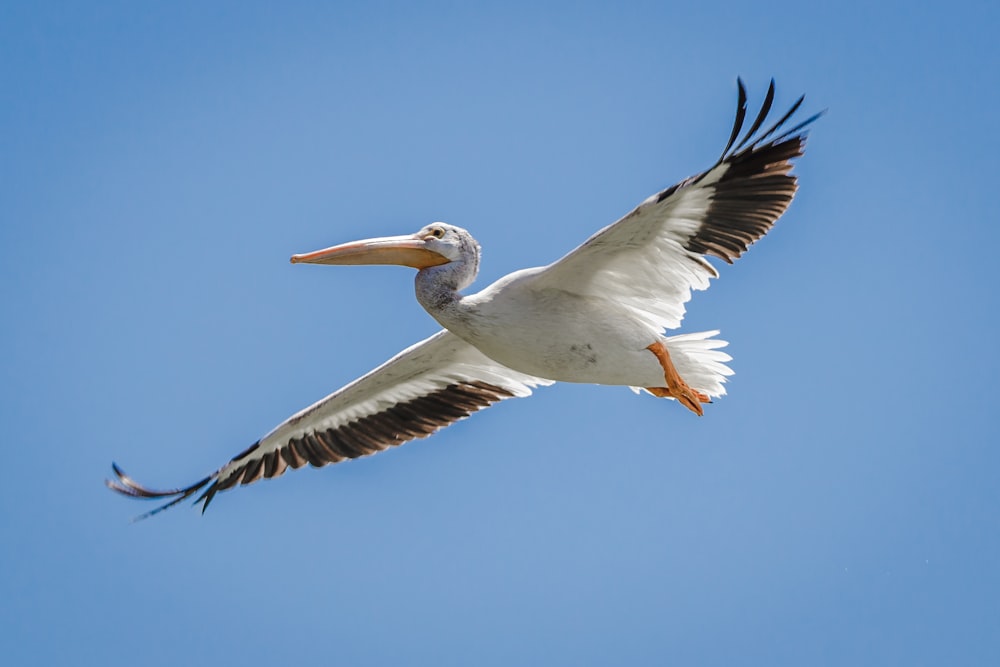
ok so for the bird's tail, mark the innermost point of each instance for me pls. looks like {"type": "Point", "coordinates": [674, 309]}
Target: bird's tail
{"type": "Point", "coordinates": [700, 361]}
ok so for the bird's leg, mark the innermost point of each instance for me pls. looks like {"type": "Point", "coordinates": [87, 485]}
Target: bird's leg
{"type": "Point", "coordinates": [676, 387]}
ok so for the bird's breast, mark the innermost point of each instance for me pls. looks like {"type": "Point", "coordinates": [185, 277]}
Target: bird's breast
{"type": "Point", "coordinates": [561, 336]}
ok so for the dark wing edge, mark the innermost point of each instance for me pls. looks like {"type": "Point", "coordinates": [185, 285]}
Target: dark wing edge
{"type": "Point", "coordinates": [407, 420]}
{"type": "Point", "coordinates": [756, 185]}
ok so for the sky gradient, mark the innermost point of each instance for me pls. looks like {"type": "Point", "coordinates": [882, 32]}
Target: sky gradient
{"type": "Point", "coordinates": [159, 163]}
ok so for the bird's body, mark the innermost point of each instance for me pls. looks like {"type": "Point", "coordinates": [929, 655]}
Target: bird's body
{"type": "Point", "coordinates": [553, 333]}
{"type": "Point", "coordinates": [598, 316]}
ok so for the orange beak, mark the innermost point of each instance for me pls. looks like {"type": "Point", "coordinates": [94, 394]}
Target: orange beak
{"type": "Point", "coordinates": [406, 250]}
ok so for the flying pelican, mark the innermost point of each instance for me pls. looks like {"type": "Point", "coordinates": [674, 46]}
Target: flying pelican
{"type": "Point", "coordinates": [598, 315]}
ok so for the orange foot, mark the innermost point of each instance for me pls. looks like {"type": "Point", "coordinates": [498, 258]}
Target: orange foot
{"type": "Point", "coordinates": [676, 387]}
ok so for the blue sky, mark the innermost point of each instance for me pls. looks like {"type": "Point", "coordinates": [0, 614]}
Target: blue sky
{"type": "Point", "coordinates": [160, 162]}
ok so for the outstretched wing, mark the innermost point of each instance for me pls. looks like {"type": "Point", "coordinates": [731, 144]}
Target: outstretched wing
{"type": "Point", "coordinates": [651, 259]}
{"type": "Point", "coordinates": [421, 390]}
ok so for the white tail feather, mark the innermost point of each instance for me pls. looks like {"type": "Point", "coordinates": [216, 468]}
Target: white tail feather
{"type": "Point", "coordinates": [700, 361]}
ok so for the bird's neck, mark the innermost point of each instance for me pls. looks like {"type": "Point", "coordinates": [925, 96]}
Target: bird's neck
{"type": "Point", "coordinates": [437, 290]}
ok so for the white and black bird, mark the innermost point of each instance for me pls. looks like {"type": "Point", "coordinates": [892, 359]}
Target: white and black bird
{"type": "Point", "coordinates": [598, 315]}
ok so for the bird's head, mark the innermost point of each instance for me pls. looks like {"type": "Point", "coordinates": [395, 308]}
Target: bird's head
{"type": "Point", "coordinates": [437, 244]}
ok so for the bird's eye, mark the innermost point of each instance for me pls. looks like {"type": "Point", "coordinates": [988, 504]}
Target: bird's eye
{"type": "Point", "coordinates": [437, 233]}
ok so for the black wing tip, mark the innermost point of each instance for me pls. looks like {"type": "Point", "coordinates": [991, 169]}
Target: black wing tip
{"type": "Point", "coordinates": [126, 486]}
{"type": "Point", "coordinates": [206, 497]}
{"type": "Point", "coordinates": [765, 109]}
{"type": "Point", "coordinates": [750, 144]}
{"type": "Point", "coordinates": [741, 112]}
{"type": "Point", "coordinates": [800, 130]}
{"type": "Point", "coordinates": [754, 184]}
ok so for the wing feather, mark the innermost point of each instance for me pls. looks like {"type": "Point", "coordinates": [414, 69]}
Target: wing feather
{"type": "Point", "coordinates": [652, 258]}
{"type": "Point", "coordinates": [421, 390]}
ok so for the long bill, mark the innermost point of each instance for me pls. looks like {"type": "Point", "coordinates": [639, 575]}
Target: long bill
{"type": "Point", "coordinates": [408, 250]}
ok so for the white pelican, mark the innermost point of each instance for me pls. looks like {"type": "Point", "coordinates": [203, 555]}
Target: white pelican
{"type": "Point", "coordinates": [597, 315]}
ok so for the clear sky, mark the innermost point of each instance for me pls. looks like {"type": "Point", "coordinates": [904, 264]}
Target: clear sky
{"type": "Point", "coordinates": [159, 162]}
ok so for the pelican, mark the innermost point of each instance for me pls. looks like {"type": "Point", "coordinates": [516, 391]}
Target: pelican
{"type": "Point", "coordinates": [598, 316]}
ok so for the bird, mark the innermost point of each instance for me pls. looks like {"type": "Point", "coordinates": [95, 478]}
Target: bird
{"type": "Point", "coordinates": [598, 315]}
